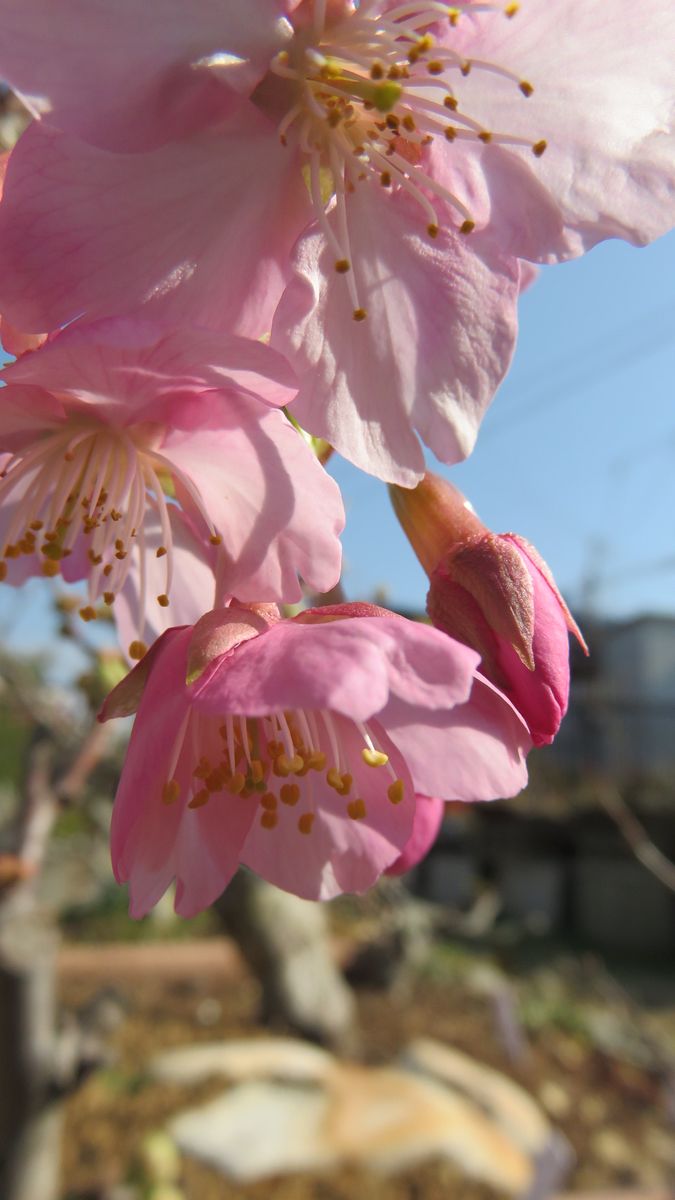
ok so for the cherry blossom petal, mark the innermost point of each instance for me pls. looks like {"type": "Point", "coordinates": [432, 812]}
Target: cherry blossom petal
{"type": "Point", "coordinates": [138, 615]}
{"type": "Point", "coordinates": [603, 101]}
{"type": "Point", "coordinates": [152, 841]}
{"type": "Point", "coordinates": [437, 339]}
{"type": "Point", "coordinates": [482, 750]}
{"type": "Point", "coordinates": [347, 666]}
{"type": "Point", "coordinates": [131, 370]}
{"type": "Point", "coordinates": [123, 78]}
{"type": "Point", "coordinates": [277, 510]}
{"type": "Point", "coordinates": [203, 226]}
{"type": "Point", "coordinates": [340, 854]}
{"type": "Point", "coordinates": [426, 826]}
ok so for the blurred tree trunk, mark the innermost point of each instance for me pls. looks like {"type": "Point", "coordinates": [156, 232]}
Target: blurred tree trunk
{"type": "Point", "coordinates": [285, 942]}
{"type": "Point", "coordinates": [30, 1126]}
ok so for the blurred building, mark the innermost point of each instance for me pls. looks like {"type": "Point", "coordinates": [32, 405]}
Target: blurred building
{"type": "Point", "coordinates": [621, 720]}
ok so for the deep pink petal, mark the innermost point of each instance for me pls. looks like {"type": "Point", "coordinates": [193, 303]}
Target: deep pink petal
{"type": "Point", "coordinates": [203, 225]}
{"type": "Point", "coordinates": [426, 825]}
{"type": "Point", "coordinates": [143, 830]}
{"type": "Point", "coordinates": [340, 854]}
{"type": "Point", "coordinates": [437, 339]}
{"type": "Point", "coordinates": [349, 667]}
{"type": "Point", "coordinates": [122, 77]}
{"type": "Point", "coordinates": [475, 752]}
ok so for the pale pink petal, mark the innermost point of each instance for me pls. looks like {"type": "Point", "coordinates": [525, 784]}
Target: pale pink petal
{"type": "Point", "coordinates": [138, 615]}
{"type": "Point", "coordinates": [203, 226]}
{"type": "Point", "coordinates": [426, 825]}
{"type": "Point", "coordinates": [347, 666]}
{"type": "Point", "coordinates": [122, 77]}
{"type": "Point", "coordinates": [25, 413]}
{"type": "Point", "coordinates": [340, 854]}
{"type": "Point", "coordinates": [134, 370]}
{"type": "Point", "coordinates": [604, 103]}
{"type": "Point", "coordinates": [436, 341]}
{"type": "Point", "coordinates": [475, 752]}
{"type": "Point", "coordinates": [278, 512]}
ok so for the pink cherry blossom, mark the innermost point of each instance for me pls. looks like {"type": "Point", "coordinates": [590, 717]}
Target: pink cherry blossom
{"type": "Point", "coordinates": [411, 174]}
{"type": "Point", "coordinates": [426, 825]}
{"type": "Point", "coordinates": [111, 425]}
{"type": "Point", "coordinates": [294, 747]}
{"type": "Point", "coordinates": [494, 592]}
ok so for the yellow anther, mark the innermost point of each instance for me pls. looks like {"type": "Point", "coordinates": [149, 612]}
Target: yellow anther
{"type": "Point", "coordinates": [170, 791]}
{"type": "Point", "coordinates": [374, 758]}
{"type": "Point", "coordinates": [408, 123]}
{"type": "Point", "coordinates": [511, 10]}
{"type": "Point", "coordinates": [342, 266]}
{"type": "Point", "coordinates": [290, 794]}
{"type": "Point", "coordinates": [451, 103]}
{"type": "Point", "coordinates": [386, 95]}
{"type": "Point", "coordinates": [109, 597]}
{"type": "Point", "coordinates": [257, 770]}
{"type": "Point", "coordinates": [163, 600]}
{"type": "Point", "coordinates": [526, 88]}
{"type": "Point", "coordinates": [50, 569]}
{"type": "Point", "coordinates": [305, 823]}
{"type": "Point", "coordinates": [450, 132]}
{"type": "Point", "coordinates": [203, 768]}
{"type": "Point", "coordinates": [236, 783]}
{"type": "Point", "coordinates": [485, 136]}
{"type": "Point", "coordinates": [50, 550]}
{"type": "Point", "coordinates": [377, 71]}
{"type": "Point", "coordinates": [539, 147]}
{"type": "Point", "coordinates": [215, 780]}
{"type": "Point", "coordinates": [345, 785]}
{"type": "Point", "coordinates": [359, 314]}
{"type": "Point", "coordinates": [466, 67]}
{"type": "Point", "coordinates": [334, 779]}
{"type": "Point", "coordinates": [454, 15]}
{"type": "Point", "coordinates": [356, 809]}
{"type": "Point", "coordinates": [215, 539]}
{"type": "Point", "coordinates": [268, 802]}
{"type": "Point", "coordinates": [316, 760]}
{"type": "Point", "coordinates": [137, 650]}
{"type": "Point", "coordinates": [432, 230]}
{"type": "Point", "coordinates": [467, 226]}
{"type": "Point", "coordinates": [88, 613]}
{"type": "Point", "coordinates": [160, 552]}
{"type": "Point", "coordinates": [395, 791]}
{"type": "Point", "coordinates": [269, 820]}
{"type": "Point", "coordinates": [36, 525]}
{"type": "Point", "coordinates": [199, 799]}
{"type": "Point", "coordinates": [274, 749]}
{"type": "Point", "coordinates": [435, 67]}
{"type": "Point", "coordinates": [385, 179]}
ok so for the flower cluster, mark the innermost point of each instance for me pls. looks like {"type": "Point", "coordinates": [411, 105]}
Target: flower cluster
{"type": "Point", "coordinates": [229, 231]}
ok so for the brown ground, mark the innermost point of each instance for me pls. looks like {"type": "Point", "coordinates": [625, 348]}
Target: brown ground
{"type": "Point", "coordinates": [616, 1119]}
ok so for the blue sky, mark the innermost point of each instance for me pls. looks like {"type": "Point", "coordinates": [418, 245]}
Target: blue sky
{"type": "Point", "coordinates": [577, 452]}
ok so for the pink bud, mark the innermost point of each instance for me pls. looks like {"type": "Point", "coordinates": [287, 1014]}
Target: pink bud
{"type": "Point", "coordinates": [496, 594]}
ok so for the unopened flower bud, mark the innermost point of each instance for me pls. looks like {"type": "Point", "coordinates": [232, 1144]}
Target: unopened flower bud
{"type": "Point", "coordinates": [495, 593]}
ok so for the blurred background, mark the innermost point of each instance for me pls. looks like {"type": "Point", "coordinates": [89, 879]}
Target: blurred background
{"type": "Point", "coordinates": [501, 1023]}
